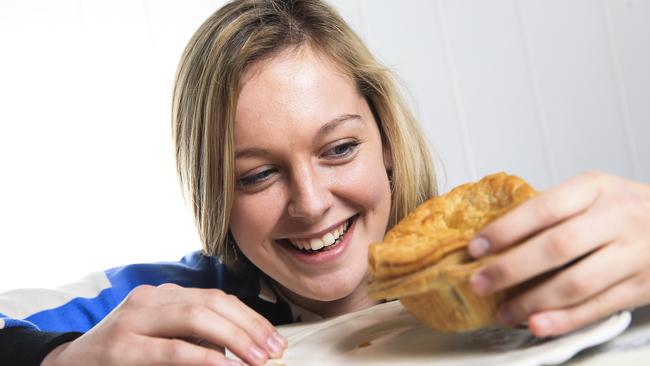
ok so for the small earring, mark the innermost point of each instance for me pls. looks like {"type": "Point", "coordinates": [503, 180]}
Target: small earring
{"type": "Point", "coordinates": [234, 250]}
{"type": "Point", "coordinates": [230, 241]}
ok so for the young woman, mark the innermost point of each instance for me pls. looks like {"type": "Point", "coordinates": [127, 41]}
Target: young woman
{"type": "Point", "coordinates": [296, 152]}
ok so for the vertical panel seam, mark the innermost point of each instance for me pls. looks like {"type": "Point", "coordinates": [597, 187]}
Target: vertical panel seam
{"type": "Point", "coordinates": [624, 111]}
{"type": "Point", "coordinates": [455, 90]}
{"type": "Point", "coordinates": [532, 79]}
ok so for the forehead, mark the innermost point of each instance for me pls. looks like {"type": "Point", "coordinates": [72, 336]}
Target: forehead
{"type": "Point", "coordinates": [294, 91]}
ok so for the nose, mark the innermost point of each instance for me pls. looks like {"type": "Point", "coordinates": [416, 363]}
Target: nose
{"type": "Point", "coordinates": [310, 195]}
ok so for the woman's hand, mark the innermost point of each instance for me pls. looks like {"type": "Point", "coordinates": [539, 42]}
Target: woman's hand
{"type": "Point", "coordinates": [594, 230]}
{"type": "Point", "coordinates": [171, 325]}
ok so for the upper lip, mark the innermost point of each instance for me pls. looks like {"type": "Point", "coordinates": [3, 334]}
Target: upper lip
{"type": "Point", "coordinates": [318, 234]}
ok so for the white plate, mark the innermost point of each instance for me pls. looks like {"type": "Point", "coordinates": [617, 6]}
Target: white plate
{"type": "Point", "coordinates": [387, 335]}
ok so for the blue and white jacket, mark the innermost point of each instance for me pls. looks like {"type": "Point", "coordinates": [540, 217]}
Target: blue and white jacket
{"type": "Point", "coordinates": [35, 321]}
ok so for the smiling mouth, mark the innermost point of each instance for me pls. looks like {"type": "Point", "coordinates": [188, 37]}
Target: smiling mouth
{"type": "Point", "coordinates": [327, 242]}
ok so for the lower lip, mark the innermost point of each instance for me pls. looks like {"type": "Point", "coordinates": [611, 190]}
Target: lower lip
{"type": "Point", "coordinates": [326, 255]}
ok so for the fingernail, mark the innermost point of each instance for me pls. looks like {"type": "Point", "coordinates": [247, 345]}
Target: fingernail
{"type": "Point", "coordinates": [504, 316]}
{"type": "Point", "coordinates": [481, 283]}
{"type": "Point", "coordinates": [542, 326]}
{"type": "Point", "coordinates": [478, 246]}
{"type": "Point", "coordinates": [257, 355]}
{"type": "Point", "coordinates": [280, 338]}
{"type": "Point", "coordinates": [274, 346]}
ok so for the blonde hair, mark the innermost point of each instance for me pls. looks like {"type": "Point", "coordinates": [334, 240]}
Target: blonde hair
{"type": "Point", "coordinates": [206, 89]}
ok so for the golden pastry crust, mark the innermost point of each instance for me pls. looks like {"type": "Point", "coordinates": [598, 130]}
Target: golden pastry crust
{"type": "Point", "coordinates": [450, 305]}
{"type": "Point", "coordinates": [423, 260]}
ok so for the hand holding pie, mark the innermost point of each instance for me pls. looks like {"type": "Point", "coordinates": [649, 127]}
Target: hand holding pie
{"type": "Point", "coordinates": [424, 262]}
{"type": "Point", "coordinates": [591, 233]}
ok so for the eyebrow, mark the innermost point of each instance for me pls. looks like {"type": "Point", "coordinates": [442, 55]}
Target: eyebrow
{"type": "Point", "coordinates": [322, 131]}
{"type": "Point", "coordinates": [333, 124]}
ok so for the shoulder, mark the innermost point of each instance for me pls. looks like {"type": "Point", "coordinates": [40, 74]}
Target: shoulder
{"type": "Point", "coordinates": [193, 270]}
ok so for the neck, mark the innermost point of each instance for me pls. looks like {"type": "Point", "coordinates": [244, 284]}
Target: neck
{"type": "Point", "coordinates": [355, 301]}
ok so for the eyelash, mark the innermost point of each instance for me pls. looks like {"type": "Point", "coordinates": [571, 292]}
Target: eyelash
{"type": "Point", "coordinates": [350, 147]}
{"type": "Point", "coordinates": [258, 178]}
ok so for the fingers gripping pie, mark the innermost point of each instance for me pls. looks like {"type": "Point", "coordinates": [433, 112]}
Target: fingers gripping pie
{"type": "Point", "coordinates": [424, 262]}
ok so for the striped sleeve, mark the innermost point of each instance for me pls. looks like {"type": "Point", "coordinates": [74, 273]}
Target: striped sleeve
{"type": "Point", "coordinates": [77, 307]}
{"type": "Point", "coordinates": [35, 321]}
{"type": "Point", "coordinates": [74, 307]}
{"type": "Point", "coordinates": [26, 347]}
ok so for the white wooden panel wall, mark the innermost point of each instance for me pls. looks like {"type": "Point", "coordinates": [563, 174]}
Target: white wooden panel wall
{"type": "Point", "coordinates": [542, 88]}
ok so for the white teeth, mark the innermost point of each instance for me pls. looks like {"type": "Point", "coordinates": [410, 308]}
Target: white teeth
{"type": "Point", "coordinates": [318, 243]}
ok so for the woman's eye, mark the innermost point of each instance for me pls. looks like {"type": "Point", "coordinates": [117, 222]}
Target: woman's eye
{"type": "Point", "coordinates": [342, 150]}
{"type": "Point", "coordinates": [256, 178]}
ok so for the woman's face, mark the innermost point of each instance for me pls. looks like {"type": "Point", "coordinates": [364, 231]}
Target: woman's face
{"type": "Point", "coordinates": [312, 189]}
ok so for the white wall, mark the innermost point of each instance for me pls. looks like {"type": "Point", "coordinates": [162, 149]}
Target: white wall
{"type": "Point", "coordinates": [542, 88]}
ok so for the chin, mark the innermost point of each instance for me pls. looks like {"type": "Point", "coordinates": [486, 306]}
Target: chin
{"type": "Point", "coordinates": [331, 289]}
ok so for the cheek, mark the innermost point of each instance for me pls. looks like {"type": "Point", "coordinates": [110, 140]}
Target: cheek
{"type": "Point", "coordinates": [253, 217]}
{"type": "Point", "coordinates": [364, 183]}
